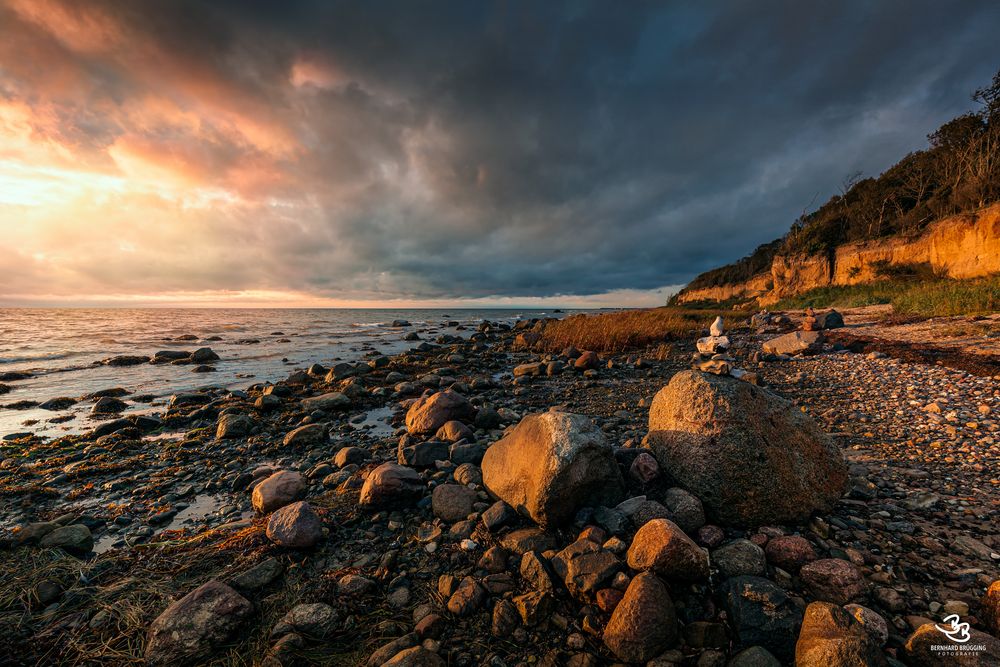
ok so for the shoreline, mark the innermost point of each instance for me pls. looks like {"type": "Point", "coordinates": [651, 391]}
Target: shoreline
{"type": "Point", "coordinates": [898, 528]}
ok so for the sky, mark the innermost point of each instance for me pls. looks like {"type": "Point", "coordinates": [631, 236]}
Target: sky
{"type": "Point", "coordinates": [445, 153]}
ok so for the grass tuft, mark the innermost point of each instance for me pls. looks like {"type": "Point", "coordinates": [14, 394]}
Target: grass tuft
{"type": "Point", "coordinates": [630, 329]}
{"type": "Point", "coordinates": [928, 298]}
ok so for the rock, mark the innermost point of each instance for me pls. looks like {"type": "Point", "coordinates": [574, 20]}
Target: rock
{"type": "Point", "coordinates": [233, 426]}
{"type": "Point", "coordinates": [534, 607]}
{"type": "Point", "coordinates": [716, 329]}
{"type": "Point", "coordinates": [126, 360]}
{"type": "Point", "coordinates": [534, 368]}
{"type": "Point", "coordinates": [278, 490]}
{"type": "Point", "coordinates": [830, 319]}
{"type": "Point", "coordinates": [346, 456]}
{"type": "Point", "coordinates": [452, 502]}
{"type": "Point", "coordinates": [990, 611]}
{"type": "Point", "coordinates": [164, 356]}
{"type": "Point", "coordinates": [739, 557]}
{"type": "Point", "coordinates": [295, 526]}
{"type": "Point", "coordinates": [660, 545]}
{"type": "Point", "coordinates": [421, 454]}
{"type": "Point", "coordinates": [685, 509]}
{"type": "Point", "coordinates": [429, 413]}
{"type": "Point", "coordinates": [453, 431]}
{"type": "Point", "coordinates": [354, 585]}
{"type": "Point", "coordinates": [755, 656]}
{"type": "Point", "coordinates": [314, 620]}
{"type": "Point", "coordinates": [109, 405]}
{"type": "Point", "coordinates": [831, 637]}
{"type": "Point", "coordinates": [329, 402]}
{"type": "Point", "coordinates": [587, 360]}
{"type": "Point", "coordinates": [310, 434]}
{"type": "Point", "coordinates": [75, 539]}
{"type": "Point", "coordinates": [790, 552]}
{"type": "Point", "coordinates": [506, 618]}
{"type": "Point", "coordinates": [535, 570]}
{"type": "Point", "coordinates": [712, 345]}
{"type": "Point", "coordinates": [644, 468]}
{"type": "Point", "coordinates": [418, 656]}
{"type": "Point", "coordinates": [586, 570]}
{"type": "Point", "coordinates": [644, 623]}
{"type": "Point", "coordinates": [258, 576]}
{"type": "Point", "coordinates": [396, 324]}
{"type": "Point", "coordinates": [467, 598]}
{"type": "Point", "coordinates": [527, 539]}
{"type": "Point", "coordinates": [204, 355]}
{"type": "Point", "coordinates": [190, 629]}
{"type": "Point", "coordinates": [550, 465]}
{"type": "Point", "coordinates": [872, 622]}
{"type": "Point", "coordinates": [929, 647]}
{"type": "Point", "coordinates": [833, 580]}
{"type": "Point", "coordinates": [391, 485]}
{"type": "Point", "coordinates": [750, 456]}
{"type": "Point", "coordinates": [796, 342]}
{"type": "Point", "coordinates": [761, 614]}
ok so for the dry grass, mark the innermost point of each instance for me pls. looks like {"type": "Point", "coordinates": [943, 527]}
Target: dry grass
{"type": "Point", "coordinates": [630, 329]}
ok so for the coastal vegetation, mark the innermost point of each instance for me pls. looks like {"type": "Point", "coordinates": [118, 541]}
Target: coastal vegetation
{"type": "Point", "coordinates": [959, 172]}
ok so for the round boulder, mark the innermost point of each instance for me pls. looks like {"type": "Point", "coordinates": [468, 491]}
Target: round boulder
{"type": "Point", "coordinates": [550, 465]}
{"type": "Point", "coordinates": [429, 413]}
{"type": "Point", "coordinates": [750, 456]}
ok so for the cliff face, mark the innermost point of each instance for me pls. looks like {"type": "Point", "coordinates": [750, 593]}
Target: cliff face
{"type": "Point", "coordinates": [964, 246]}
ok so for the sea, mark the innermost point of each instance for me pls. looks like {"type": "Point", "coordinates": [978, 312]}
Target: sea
{"type": "Point", "coordinates": [63, 349]}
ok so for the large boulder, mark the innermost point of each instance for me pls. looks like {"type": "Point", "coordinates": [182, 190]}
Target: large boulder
{"type": "Point", "coordinates": [550, 465]}
{"type": "Point", "coordinates": [429, 413]}
{"type": "Point", "coordinates": [750, 456]}
{"type": "Point", "coordinates": [189, 630]}
{"type": "Point", "coordinates": [831, 637]}
{"type": "Point", "coordinates": [644, 623]}
{"type": "Point", "coordinates": [797, 342]}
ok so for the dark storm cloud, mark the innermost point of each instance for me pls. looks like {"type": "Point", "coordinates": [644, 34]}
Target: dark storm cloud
{"type": "Point", "coordinates": [517, 148]}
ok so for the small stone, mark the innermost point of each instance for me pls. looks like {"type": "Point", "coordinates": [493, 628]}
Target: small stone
{"type": "Point", "coordinates": [452, 502]}
{"type": "Point", "coordinates": [644, 623]}
{"type": "Point", "coordinates": [295, 526]}
{"type": "Point", "coordinates": [833, 580]}
{"type": "Point", "coordinates": [278, 490]}
{"type": "Point", "coordinates": [660, 545]}
{"type": "Point", "coordinates": [739, 557]}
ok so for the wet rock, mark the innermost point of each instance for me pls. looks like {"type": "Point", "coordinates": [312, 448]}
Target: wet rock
{"type": "Point", "coordinates": [328, 402]}
{"type": "Point", "coordinates": [109, 405]}
{"type": "Point", "coordinates": [429, 413]}
{"type": "Point", "coordinates": [310, 434]}
{"type": "Point", "coordinates": [233, 426]}
{"type": "Point", "coordinates": [390, 485]}
{"type": "Point", "coordinates": [452, 502]}
{"type": "Point", "coordinates": [644, 623]}
{"type": "Point", "coordinates": [278, 490]}
{"type": "Point", "coordinates": [750, 456]}
{"type": "Point", "coordinates": [190, 629]}
{"type": "Point", "coordinates": [660, 545]}
{"type": "Point", "coordinates": [551, 464]}
{"type": "Point", "coordinates": [258, 576]}
{"type": "Point", "coordinates": [831, 637]}
{"type": "Point", "coordinates": [833, 580]}
{"type": "Point", "coordinates": [75, 539]}
{"type": "Point", "coordinates": [762, 614]}
{"type": "Point", "coordinates": [204, 355]}
{"type": "Point", "coordinates": [295, 526]}
{"type": "Point", "coordinates": [739, 557]}
{"type": "Point", "coordinates": [314, 620]}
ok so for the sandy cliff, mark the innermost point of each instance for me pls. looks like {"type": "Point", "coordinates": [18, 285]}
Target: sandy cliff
{"type": "Point", "coordinates": [963, 246]}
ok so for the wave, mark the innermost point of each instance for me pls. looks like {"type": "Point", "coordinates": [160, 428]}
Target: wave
{"type": "Point", "coordinates": [51, 356]}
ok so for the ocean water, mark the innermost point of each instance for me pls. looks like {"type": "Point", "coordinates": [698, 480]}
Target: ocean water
{"type": "Point", "coordinates": [63, 348]}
